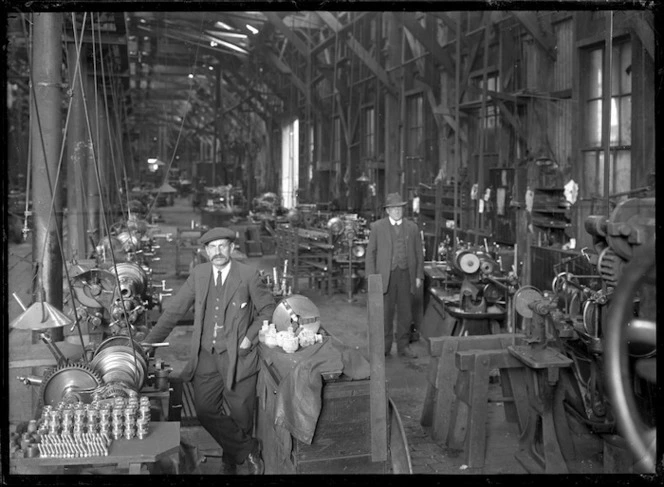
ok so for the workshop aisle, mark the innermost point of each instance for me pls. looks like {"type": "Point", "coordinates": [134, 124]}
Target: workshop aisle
{"type": "Point", "coordinates": [347, 322]}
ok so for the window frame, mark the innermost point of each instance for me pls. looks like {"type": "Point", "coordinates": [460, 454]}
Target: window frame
{"type": "Point", "coordinates": [592, 156]}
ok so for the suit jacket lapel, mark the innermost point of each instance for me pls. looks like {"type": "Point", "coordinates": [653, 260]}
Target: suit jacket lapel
{"type": "Point", "coordinates": [231, 285]}
{"type": "Point", "coordinates": [388, 230]}
{"type": "Point", "coordinates": [203, 279]}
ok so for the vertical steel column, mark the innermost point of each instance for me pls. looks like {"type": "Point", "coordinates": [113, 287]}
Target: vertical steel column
{"type": "Point", "coordinates": [77, 150]}
{"type": "Point", "coordinates": [606, 108]}
{"type": "Point", "coordinates": [480, 223]}
{"type": "Point", "coordinates": [217, 123]}
{"type": "Point", "coordinates": [46, 142]}
{"type": "Point", "coordinates": [94, 231]}
{"type": "Point", "coordinates": [457, 135]}
{"type": "Point", "coordinates": [103, 162]}
{"type": "Point", "coordinates": [392, 112]}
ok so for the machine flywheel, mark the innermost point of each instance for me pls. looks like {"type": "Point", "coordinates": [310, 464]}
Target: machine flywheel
{"type": "Point", "coordinates": [65, 381]}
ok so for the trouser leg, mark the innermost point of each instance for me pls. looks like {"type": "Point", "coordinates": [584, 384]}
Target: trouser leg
{"type": "Point", "coordinates": [404, 309]}
{"type": "Point", "coordinates": [209, 391]}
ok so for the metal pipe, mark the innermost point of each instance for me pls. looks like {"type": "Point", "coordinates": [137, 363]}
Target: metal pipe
{"type": "Point", "coordinates": [457, 149]}
{"type": "Point", "coordinates": [77, 151]}
{"type": "Point", "coordinates": [606, 108]}
{"type": "Point", "coordinates": [46, 142]}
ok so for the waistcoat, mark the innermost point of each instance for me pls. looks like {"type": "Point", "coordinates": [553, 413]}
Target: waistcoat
{"type": "Point", "coordinates": [214, 330]}
{"type": "Point", "coordinates": [398, 246]}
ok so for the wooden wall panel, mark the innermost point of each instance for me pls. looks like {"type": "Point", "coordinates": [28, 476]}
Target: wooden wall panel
{"type": "Point", "coordinates": [562, 71]}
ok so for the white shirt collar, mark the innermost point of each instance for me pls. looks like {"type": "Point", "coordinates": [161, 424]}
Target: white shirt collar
{"type": "Point", "coordinates": [224, 272]}
{"type": "Point", "coordinates": [394, 222]}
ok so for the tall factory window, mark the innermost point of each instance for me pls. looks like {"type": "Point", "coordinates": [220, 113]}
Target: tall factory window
{"type": "Point", "coordinates": [621, 120]}
{"type": "Point", "coordinates": [369, 132]}
{"type": "Point", "coordinates": [414, 125]}
{"type": "Point", "coordinates": [336, 139]}
{"type": "Point", "coordinates": [489, 118]}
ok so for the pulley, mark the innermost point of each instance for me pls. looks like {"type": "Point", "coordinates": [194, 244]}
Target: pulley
{"type": "Point", "coordinates": [67, 382]}
{"type": "Point", "coordinates": [467, 261]}
{"type": "Point", "coordinates": [335, 225]}
{"type": "Point", "coordinates": [525, 296]}
{"type": "Point", "coordinates": [358, 251]}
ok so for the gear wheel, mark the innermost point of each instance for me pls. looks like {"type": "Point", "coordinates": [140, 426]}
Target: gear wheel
{"type": "Point", "coordinates": [65, 380]}
{"type": "Point", "coordinates": [610, 266]}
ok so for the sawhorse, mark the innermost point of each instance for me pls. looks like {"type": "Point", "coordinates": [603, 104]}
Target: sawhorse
{"type": "Point", "coordinates": [458, 377]}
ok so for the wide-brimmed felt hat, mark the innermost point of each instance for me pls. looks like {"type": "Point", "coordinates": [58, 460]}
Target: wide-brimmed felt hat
{"type": "Point", "coordinates": [394, 199]}
{"type": "Point", "coordinates": [217, 233]}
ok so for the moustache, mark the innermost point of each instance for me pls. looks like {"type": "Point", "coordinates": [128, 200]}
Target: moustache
{"type": "Point", "coordinates": [217, 256]}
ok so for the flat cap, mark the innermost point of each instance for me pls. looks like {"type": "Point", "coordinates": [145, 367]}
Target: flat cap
{"type": "Point", "coordinates": [216, 234]}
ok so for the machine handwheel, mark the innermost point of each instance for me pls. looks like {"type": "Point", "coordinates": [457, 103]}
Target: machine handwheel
{"type": "Point", "coordinates": [622, 330]}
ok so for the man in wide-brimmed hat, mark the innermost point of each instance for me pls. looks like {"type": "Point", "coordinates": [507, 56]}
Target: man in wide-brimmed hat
{"type": "Point", "coordinates": [395, 252]}
{"type": "Point", "coordinates": [230, 303]}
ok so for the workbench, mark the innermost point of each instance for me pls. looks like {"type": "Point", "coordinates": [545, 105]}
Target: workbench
{"type": "Point", "coordinates": [127, 456]}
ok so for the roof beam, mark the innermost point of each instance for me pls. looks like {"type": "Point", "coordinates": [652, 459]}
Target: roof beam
{"type": "Point", "coordinates": [285, 69]}
{"type": "Point", "coordinates": [330, 40]}
{"type": "Point", "coordinates": [450, 24]}
{"type": "Point", "coordinates": [360, 51]}
{"type": "Point", "coordinates": [407, 19]}
{"type": "Point", "coordinates": [248, 99]}
{"type": "Point", "coordinates": [472, 55]}
{"type": "Point", "coordinates": [286, 31]}
{"type": "Point", "coordinates": [253, 93]}
{"type": "Point", "coordinates": [530, 22]}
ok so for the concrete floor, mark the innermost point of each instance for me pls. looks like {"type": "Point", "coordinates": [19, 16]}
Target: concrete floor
{"type": "Point", "coordinates": [347, 321]}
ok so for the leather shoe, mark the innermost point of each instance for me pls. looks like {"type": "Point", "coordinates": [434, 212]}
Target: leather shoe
{"type": "Point", "coordinates": [228, 468]}
{"type": "Point", "coordinates": [407, 352]}
{"type": "Point", "coordinates": [255, 463]}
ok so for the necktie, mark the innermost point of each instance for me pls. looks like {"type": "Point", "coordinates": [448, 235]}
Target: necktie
{"type": "Point", "coordinates": [218, 279]}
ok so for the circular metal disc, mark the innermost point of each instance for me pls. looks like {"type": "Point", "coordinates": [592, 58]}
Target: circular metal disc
{"type": "Point", "coordinates": [469, 263]}
{"type": "Point", "coordinates": [523, 297]}
{"type": "Point", "coordinates": [66, 378]}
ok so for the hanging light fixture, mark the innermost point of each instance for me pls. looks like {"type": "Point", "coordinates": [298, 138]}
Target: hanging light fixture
{"type": "Point", "coordinates": [363, 178]}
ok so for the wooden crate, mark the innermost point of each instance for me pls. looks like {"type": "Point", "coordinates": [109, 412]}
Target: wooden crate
{"type": "Point", "coordinates": [342, 441]}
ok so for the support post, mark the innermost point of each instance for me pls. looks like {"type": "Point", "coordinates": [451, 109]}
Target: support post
{"type": "Point", "coordinates": [378, 393]}
{"type": "Point", "coordinates": [46, 142]}
{"type": "Point", "coordinates": [77, 150]}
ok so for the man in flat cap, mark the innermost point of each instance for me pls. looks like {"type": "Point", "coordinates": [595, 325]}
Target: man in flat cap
{"type": "Point", "coordinates": [395, 252]}
{"type": "Point", "coordinates": [230, 303]}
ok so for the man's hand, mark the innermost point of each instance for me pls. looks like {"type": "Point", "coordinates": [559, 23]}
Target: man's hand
{"type": "Point", "coordinates": [246, 343]}
{"type": "Point", "coordinates": [418, 282]}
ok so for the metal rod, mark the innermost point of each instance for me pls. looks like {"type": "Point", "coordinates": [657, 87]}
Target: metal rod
{"type": "Point", "coordinates": [606, 108]}
{"type": "Point", "coordinates": [46, 130]}
{"type": "Point", "coordinates": [18, 300]}
{"type": "Point", "coordinates": [457, 149]}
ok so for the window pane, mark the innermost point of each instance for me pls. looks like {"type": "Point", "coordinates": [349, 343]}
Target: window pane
{"type": "Point", "coordinates": [626, 120]}
{"type": "Point", "coordinates": [626, 68]}
{"type": "Point", "coordinates": [621, 177]}
{"type": "Point", "coordinates": [621, 80]}
{"type": "Point", "coordinates": [595, 74]}
{"type": "Point", "coordinates": [594, 124]}
{"type": "Point", "coordinates": [590, 174]}
{"type": "Point", "coordinates": [615, 136]}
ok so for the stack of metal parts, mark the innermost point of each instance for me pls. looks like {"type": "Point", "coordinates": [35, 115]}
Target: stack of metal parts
{"type": "Point", "coordinates": [85, 430]}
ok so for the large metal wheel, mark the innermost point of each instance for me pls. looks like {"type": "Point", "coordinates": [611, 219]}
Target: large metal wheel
{"type": "Point", "coordinates": [66, 382]}
{"type": "Point", "coordinates": [623, 331]}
